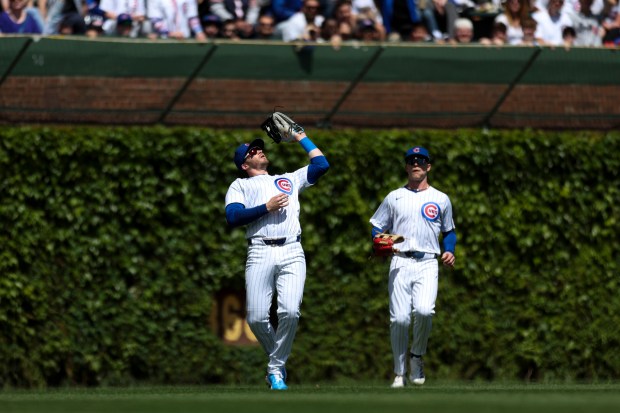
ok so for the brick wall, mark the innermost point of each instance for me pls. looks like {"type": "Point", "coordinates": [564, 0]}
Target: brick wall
{"type": "Point", "coordinates": [244, 103]}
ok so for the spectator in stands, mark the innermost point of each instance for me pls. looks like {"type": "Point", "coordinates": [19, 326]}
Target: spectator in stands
{"type": "Point", "coordinates": [343, 13]}
{"type": "Point", "coordinates": [611, 23]}
{"type": "Point", "coordinates": [367, 31]}
{"type": "Point", "coordinates": [366, 9]}
{"type": "Point", "coordinates": [419, 33]}
{"type": "Point", "coordinates": [285, 9]}
{"type": "Point", "coordinates": [573, 7]}
{"type": "Point", "coordinates": [329, 29]}
{"type": "Point", "coordinates": [463, 31]}
{"type": "Point", "coordinates": [94, 24]}
{"type": "Point", "coordinates": [229, 30]}
{"type": "Point", "coordinates": [515, 11]}
{"type": "Point", "coordinates": [125, 26]}
{"type": "Point", "coordinates": [551, 22]}
{"type": "Point", "coordinates": [346, 31]}
{"type": "Point", "coordinates": [588, 29]}
{"type": "Point", "coordinates": [243, 12]}
{"type": "Point", "coordinates": [296, 27]}
{"type": "Point", "coordinates": [15, 19]}
{"type": "Point", "coordinates": [465, 6]}
{"type": "Point", "coordinates": [355, 23]}
{"type": "Point", "coordinates": [72, 24]}
{"type": "Point", "coordinates": [203, 7]}
{"type": "Point", "coordinates": [34, 12]}
{"type": "Point", "coordinates": [211, 25]}
{"type": "Point", "coordinates": [529, 31]}
{"type": "Point", "coordinates": [568, 37]}
{"type": "Point", "coordinates": [65, 13]}
{"type": "Point", "coordinates": [330, 33]}
{"type": "Point", "coordinates": [130, 13]}
{"type": "Point", "coordinates": [334, 33]}
{"type": "Point", "coordinates": [439, 17]}
{"type": "Point", "coordinates": [265, 28]}
{"type": "Point", "coordinates": [498, 35]}
{"type": "Point", "coordinates": [175, 19]}
{"type": "Point", "coordinates": [399, 16]}
{"type": "Point", "coordinates": [311, 33]}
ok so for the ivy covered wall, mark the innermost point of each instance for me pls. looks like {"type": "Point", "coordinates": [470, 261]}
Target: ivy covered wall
{"type": "Point", "coordinates": [113, 245]}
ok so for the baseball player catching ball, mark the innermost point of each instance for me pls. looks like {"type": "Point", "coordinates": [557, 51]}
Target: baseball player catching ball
{"type": "Point", "coordinates": [269, 206]}
{"type": "Point", "coordinates": [418, 212]}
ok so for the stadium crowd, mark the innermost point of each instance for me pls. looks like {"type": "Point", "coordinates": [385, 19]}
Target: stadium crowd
{"type": "Point", "coordinates": [492, 22]}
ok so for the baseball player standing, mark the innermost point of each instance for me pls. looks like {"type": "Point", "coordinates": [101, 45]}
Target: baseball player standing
{"type": "Point", "coordinates": [420, 213]}
{"type": "Point", "coordinates": [269, 206]}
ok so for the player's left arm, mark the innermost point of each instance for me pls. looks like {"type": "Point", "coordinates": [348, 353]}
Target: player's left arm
{"type": "Point", "coordinates": [449, 234]}
{"type": "Point", "coordinates": [449, 246]}
{"type": "Point", "coordinates": [318, 163]}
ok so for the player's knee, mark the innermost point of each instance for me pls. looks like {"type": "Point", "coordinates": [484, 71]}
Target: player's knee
{"type": "Point", "coordinates": [256, 318]}
{"type": "Point", "coordinates": [402, 320]}
{"type": "Point", "coordinates": [288, 313]}
{"type": "Point", "coordinates": [427, 311]}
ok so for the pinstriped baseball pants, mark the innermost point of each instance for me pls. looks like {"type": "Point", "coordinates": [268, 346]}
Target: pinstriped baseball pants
{"type": "Point", "coordinates": [412, 289]}
{"type": "Point", "coordinates": [270, 269]}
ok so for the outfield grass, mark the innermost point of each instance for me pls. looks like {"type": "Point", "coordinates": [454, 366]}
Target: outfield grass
{"type": "Point", "coordinates": [457, 397]}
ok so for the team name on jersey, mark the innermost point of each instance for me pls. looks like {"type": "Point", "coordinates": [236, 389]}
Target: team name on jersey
{"type": "Point", "coordinates": [430, 211]}
{"type": "Point", "coordinates": [284, 185]}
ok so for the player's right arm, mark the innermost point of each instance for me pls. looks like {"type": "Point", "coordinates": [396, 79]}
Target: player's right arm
{"type": "Point", "coordinates": [381, 220]}
{"type": "Point", "coordinates": [237, 214]}
{"type": "Point", "coordinates": [376, 231]}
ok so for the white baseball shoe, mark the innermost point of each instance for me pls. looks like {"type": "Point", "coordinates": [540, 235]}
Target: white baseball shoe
{"type": "Point", "coordinates": [399, 382]}
{"type": "Point", "coordinates": [416, 372]}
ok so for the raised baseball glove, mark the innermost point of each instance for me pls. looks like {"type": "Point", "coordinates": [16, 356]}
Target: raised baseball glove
{"type": "Point", "coordinates": [281, 128]}
{"type": "Point", "coordinates": [383, 244]}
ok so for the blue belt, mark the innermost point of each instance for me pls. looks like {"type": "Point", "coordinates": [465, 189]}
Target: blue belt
{"type": "Point", "coordinates": [273, 241]}
{"type": "Point", "coordinates": [418, 255]}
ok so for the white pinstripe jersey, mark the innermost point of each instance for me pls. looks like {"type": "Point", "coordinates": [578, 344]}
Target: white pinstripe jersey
{"type": "Point", "coordinates": [131, 7]}
{"type": "Point", "coordinates": [257, 190]}
{"type": "Point", "coordinates": [417, 216]}
{"type": "Point", "coordinates": [175, 14]}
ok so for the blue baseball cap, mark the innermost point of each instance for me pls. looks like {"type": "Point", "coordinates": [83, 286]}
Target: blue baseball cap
{"type": "Point", "coordinates": [124, 19]}
{"type": "Point", "coordinates": [418, 151]}
{"type": "Point", "coordinates": [211, 19]}
{"type": "Point", "coordinates": [242, 151]}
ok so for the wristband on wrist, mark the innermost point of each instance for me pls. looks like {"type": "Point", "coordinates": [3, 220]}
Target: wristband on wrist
{"type": "Point", "coordinates": [307, 144]}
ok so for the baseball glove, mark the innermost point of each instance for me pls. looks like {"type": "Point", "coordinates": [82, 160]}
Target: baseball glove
{"type": "Point", "coordinates": [383, 244]}
{"type": "Point", "coordinates": [281, 128]}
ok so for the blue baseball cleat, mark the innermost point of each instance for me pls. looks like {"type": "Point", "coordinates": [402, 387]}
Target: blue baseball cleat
{"type": "Point", "coordinates": [276, 382]}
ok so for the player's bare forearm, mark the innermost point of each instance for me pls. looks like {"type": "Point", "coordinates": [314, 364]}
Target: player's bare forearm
{"type": "Point", "coordinates": [300, 136]}
{"type": "Point", "coordinates": [308, 145]}
{"type": "Point", "coordinates": [313, 152]}
{"type": "Point", "coordinates": [448, 259]}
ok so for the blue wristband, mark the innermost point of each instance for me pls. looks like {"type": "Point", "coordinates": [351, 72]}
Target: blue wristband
{"type": "Point", "coordinates": [307, 144]}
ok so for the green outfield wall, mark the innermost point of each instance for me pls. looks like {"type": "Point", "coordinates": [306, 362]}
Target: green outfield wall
{"type": "Point", "coordinates": [115, 256]}
{"type": "Point", "coordinates": [234, 84]}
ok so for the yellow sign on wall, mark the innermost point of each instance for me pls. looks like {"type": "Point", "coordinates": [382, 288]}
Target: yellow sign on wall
{"type": "Point", "coordinates": [228, 319]}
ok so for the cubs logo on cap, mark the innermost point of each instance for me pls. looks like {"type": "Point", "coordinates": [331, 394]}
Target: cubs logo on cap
{"type": "Point", "coordinates": [418, 151]}
{"type": "Point", "coordinates": [243, 149]}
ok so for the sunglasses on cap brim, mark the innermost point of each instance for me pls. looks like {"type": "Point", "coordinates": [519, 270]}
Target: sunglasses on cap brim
{"type": "Point", "coordinates": [253, 151]}
{"type": "Point", "coordinates": [420, 160]}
